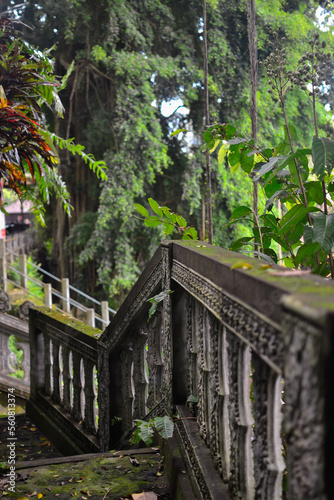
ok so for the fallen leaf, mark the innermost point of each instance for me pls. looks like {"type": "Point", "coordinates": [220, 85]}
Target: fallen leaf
{"type": "Point", "coordinates": [134, 461]}
{"type": "Point", "coordinates": [71, 480]}
{"type": "Point", "coordinates": [263, 267]}
{"type": "Point", "coordinates": [56, 475]}
{"type": "Point", "coordinates": [40, 495]}
{"type": "Point", "coordinates": [46, 443]}
{"type": "Point", "coordinates": [23, 498]}
{"type": "Point", "coordinates": [32, 429]}
{"type": "Point", "coordinates": [146, 495]}
{"type": "Point", "coordinates": [32, 494]}
{"type": "Point", "coordinates": [159, 473]}
{"type": "Point", "coordinates": [241, 264]}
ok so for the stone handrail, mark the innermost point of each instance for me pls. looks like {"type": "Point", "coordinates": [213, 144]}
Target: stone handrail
{"type": "Point", "coordinates": [63, 376]}
{"type": "Point", "coordinates": [11, 326]}
{"type": "Point", "coordinates": [252, 346]}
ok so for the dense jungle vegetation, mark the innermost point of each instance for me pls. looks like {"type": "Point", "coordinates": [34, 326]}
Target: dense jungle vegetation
{"type": "Point", "coordinates": [137, 77]}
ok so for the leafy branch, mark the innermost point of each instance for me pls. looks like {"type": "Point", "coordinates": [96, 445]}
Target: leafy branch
{"type": "Point", "coordinates": [170, 220]}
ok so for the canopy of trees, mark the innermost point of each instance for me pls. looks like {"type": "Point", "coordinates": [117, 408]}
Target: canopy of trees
{"type": "Point", "coordinates": [131, 58]}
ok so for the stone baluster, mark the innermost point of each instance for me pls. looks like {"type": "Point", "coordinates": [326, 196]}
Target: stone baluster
{"type": "Point", "coordinates": [4, 354]}
{"type": "Point", "coordinates": [139, 374]}
{"type": "Point", "coordinates": [224, 392]}
{"type": "Point", "coordinates": [82, 390]}
{"type": "Point", "coordinates": [47, 364]}
{"type": "Point", "coordinates": [77, 386]}
{"type": "Point", "coordinates": [89, 419]}
{"type": "Point", "coordinates": [66, 378]}
{"type": "Point", "coordinates": [245, 423]}
{"type": "Point", "coordinates": [55, 371]}
{"type": "Point", "coordinates": [154, 359]}
{"type": "Point", "coordinates": [127, 388]}
{"type": "Point", "coordinates": [25, 361]}
{"type": "Point", "coordinates": [61, 374]}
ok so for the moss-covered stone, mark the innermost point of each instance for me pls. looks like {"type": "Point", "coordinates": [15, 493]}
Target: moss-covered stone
{"type": "Point", "coordinates": [98, 478]}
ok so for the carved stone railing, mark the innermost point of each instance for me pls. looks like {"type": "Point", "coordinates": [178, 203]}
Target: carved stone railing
{"type": "Point", "coordinates": [253, 347]}
{"type": "Point", "coordinates": [63, 399]}
{"type": "Point", "coordinates": [9, 365]}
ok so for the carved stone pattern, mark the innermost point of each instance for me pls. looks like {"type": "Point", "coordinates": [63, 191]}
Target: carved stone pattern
{"type": "Point", "coordinates": [167, 386]}
{"type": "Point", "coordinates": [261, 373]}
{"type": "Point", "coordinates": [199, 319]}
{"type": "Point", "coordinates": [4, 302]}
{"type": "Point", "coordinates": [139, 374]}
{"type": "Point", "coordinates": [154, 359]}
{"type": "Point", "coordinates": [233, 343]}
{"type": "Point", "coordinates": [304, 408]}
{"type": "Point", "coordinates": [263, 335]}
{"type": "Point", "coordinates": [195, 466]}
{"type": "Point", "coordinates": [82, 349]}
{"type": "Point", "coordinates": [127, 389]}
{"type": "Point", "coordinates": [5, 367]}
{"type": "Point", "coordinates": [24, 310]}
{"type": "Point", "coordinates": [103, 374]}
{"type": "Point", "coordinates": [213, 402]}
{"type": "Point", "coordinates": [192, 385]}
{"type": "Point", "coordinates": [132, 312]}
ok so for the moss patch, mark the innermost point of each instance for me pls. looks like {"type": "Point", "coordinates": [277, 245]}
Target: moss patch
{"type": "Point", "coordinates": [109, 478]}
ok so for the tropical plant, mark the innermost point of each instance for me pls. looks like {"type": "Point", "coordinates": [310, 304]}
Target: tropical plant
{"type": "Point", "coordinates": [164, 426]}
{"type": "Point", "coordinates": [27, 152]}
{"type": "Point", "coordinates": [301, 178]}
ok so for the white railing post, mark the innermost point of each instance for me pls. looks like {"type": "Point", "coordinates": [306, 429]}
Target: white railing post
{"type": "Point", "coordinates": [90, 317]}
{"type": "Point", "coordinates": [105, 313]}
{"type": "Point", "coordinates": [23, 270]}
{"type": "Point", "coordinates": [3, 267]}
{"type": "Point", "coordinates": [47, 295]}
{"type": "Point", "coordinates": [65, 291]}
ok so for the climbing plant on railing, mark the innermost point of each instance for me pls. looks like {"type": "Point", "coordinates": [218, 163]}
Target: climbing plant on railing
{"type": "Point", "coordinates": [301, 178]}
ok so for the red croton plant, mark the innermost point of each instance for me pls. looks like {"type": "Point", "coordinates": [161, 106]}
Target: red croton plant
{"type": "Point", "coordinates": [25, 150]}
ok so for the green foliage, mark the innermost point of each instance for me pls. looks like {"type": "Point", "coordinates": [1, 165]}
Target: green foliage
{"type": "Point", "coordinates": [27, 81]}
{"type": "Point", "coordinates": [169, 220]}
{"type": "Point", "coordinates": [156, 300]}
{"type": "Point", "coordinates": [145, 430]}
{"type": "Point", "coordinates": [306, 230]}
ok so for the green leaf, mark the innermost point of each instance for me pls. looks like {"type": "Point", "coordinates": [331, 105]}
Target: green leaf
{"type": "Point", "coordinates": [178, 131]}
{"type": "Point", "coordinates": [192, 399]}
{"type": "Point", "coordinates": [240, 212]}
{"type": "Point", "coordinates": [314, 192]}
{"type": "Point", "coordinates": [270, 202]}
{"type": "Point", "coordinates": [145, 432]}
{"type": "Point", "coordinates": [168, 228]}
{"type": "Point", "coordinates": [306, 254]}
{"type": "Point", "coordinates": [142, 210]}
{"type": "Point", "coordinates": [164, 426]}
{"type": "Point", "coordinates": [240, 242]}
{"type": "Point", "coordinates": [295, 215]}
{"type": "Point", "coordinates": [323, 231]}
{"type": "Point", "coordinates": [191, 233]}
{"type": "Point", "coordinates": [153, 221]}
{"type": "Point", "coordinates": [181, 220]}
{"type": "Point", "coordinates": [246, 162]}
{"type": "Point", "coordinates": [323, 156]}
{"type": "Point", "coordinates": [308, 234]}
{"type": "Point", "coordinates": [267, 167]}
{"type": "Point", "coordinates": [155, 207]}
{"type": "Point", "coordinates": [222, 153]}
{"type": "Point", "coordinates": [155, 301]}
